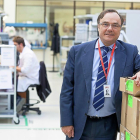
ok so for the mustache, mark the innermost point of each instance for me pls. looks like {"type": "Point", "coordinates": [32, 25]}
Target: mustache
{"type": "Point", "coordinates": [108, 34]}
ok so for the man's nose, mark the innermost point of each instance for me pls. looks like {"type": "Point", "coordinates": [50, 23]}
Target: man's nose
{"type": "Point", "coordinates": [110, 27]}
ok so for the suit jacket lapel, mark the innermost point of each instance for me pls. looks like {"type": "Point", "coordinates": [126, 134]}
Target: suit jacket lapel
{"type": "Point", "coordinates": [87, 64]}
{"type": "Point", "coordinates": [120, 60]}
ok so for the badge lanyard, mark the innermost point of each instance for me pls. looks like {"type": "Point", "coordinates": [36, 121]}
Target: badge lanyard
{"type": "Point", "coordinates": [101, 58]}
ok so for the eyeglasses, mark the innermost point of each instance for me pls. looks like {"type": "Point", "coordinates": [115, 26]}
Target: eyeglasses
{"type": "Point", "coordinates": [107, 25]}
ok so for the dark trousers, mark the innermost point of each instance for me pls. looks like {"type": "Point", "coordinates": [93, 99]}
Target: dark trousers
{"type": "Point", "coordinates": [100, 128]}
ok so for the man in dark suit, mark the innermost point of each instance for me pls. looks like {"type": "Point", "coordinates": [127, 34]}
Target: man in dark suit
{"type": "Point", "coordinates": [91, 69]}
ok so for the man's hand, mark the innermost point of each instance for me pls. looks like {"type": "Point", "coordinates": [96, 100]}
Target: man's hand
{"type": "Point", "coordinates": [18, 69]}
{"type": "Point", "coordinates": [137, 78]}
{"type": "Point", "coordinates": [68, 130]}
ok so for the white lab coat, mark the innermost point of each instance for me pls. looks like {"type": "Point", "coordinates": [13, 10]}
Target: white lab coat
{"type": "Point", "coordinates": [29, 69]}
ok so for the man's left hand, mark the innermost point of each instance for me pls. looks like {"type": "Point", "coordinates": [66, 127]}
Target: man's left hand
{"type": "Point", "coordinates": [137, 78]}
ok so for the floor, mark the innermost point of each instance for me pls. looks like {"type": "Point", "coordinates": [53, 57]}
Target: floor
{"type": "Point", "coordinates": [33, 126]}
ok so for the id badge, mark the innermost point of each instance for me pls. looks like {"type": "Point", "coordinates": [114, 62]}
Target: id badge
{"type": "Point", "coordinates": [107, 91]}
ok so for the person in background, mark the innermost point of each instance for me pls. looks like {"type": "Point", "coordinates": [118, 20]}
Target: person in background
{"type": "Point", "coordinates": [86, 112]}
{"type": "Point", "coordinates": [28, 68]}
{"type": "Point", "coordinates": [12, 33]}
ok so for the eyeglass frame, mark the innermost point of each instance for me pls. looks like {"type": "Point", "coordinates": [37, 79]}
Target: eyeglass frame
{"type": "Point", "coordinates": [118, 26]}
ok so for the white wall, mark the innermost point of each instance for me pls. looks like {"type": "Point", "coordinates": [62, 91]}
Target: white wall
{"type": "Point", "coordinates": [10, 9]}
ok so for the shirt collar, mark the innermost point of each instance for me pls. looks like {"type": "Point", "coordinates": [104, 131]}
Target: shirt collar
{"type": "Point", "coordinates": [102, 45]}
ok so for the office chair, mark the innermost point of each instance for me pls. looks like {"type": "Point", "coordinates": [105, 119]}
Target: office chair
{"type": "Point", "coordinates": [27, 106]}
{"type": "Point", "coordinates": [43, 90]}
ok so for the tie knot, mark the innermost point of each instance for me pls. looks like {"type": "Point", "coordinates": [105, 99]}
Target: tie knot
{"type": "Point", "coordinates": [106, 49]}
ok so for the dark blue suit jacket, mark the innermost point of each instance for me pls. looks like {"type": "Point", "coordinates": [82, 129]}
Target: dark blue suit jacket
{"type": "Point", "coordinates": [76, 88]}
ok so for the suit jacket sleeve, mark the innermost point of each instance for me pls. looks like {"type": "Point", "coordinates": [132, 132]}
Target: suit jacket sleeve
{"type": "Point", "coordinates": [136, 61]}
{"type": "Point", "coordinates": [66, 96]}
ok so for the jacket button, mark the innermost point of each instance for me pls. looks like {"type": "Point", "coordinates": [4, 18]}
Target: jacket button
{"type": "Point", "coordinates": [88, 101]}
{"type": "Point", "coordinates": [85, 114]}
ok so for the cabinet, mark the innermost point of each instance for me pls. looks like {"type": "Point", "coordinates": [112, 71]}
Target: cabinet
{"type": "Point", "coordinates": [34, 33]}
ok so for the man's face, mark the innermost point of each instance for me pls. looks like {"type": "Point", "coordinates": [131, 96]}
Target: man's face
{"type": "Point", "coordinates": [109, 34]}
{"type": "Point", "coordinates": [18, 46]}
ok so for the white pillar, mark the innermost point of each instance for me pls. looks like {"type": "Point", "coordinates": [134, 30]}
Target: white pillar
{"type": "Point", "coordinates": [10, 9]}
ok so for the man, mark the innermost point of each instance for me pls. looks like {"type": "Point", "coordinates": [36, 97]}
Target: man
{"type": "Point", "coordinates": [28, 68]}
{"type": "Point", "coordinates": [93, 67]}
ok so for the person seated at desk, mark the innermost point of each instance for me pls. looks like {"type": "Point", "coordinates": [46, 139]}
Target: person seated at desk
{"type": "Point", "coordinates": [28, 68]}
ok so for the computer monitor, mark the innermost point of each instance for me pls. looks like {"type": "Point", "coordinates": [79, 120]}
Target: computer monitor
{"type": "Point", "coordinates": [4, 38]}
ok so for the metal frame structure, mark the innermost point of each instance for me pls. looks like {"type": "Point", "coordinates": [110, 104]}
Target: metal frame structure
{"type": "Point", "coordinates": [9, 113]}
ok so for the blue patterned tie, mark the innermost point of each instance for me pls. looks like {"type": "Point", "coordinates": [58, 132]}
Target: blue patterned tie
{"type": "Point", "coordinates": [98, 101]}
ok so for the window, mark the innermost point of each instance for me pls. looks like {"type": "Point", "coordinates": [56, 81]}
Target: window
{"type": "Point", "coordinates": [136, 6]}
{"type": "Point", "coordinates": [30, 10]}
{"type": "Point", "coordinates": [88, 7]}
{"type": "Point", "coordinates": [83, 8]}
{"type": "Point", "coordinates": [60, 12]}
{"type": "Point", "coordinates": [1, 5]}
{"type": "Point", "coordinates": [117, 5]}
